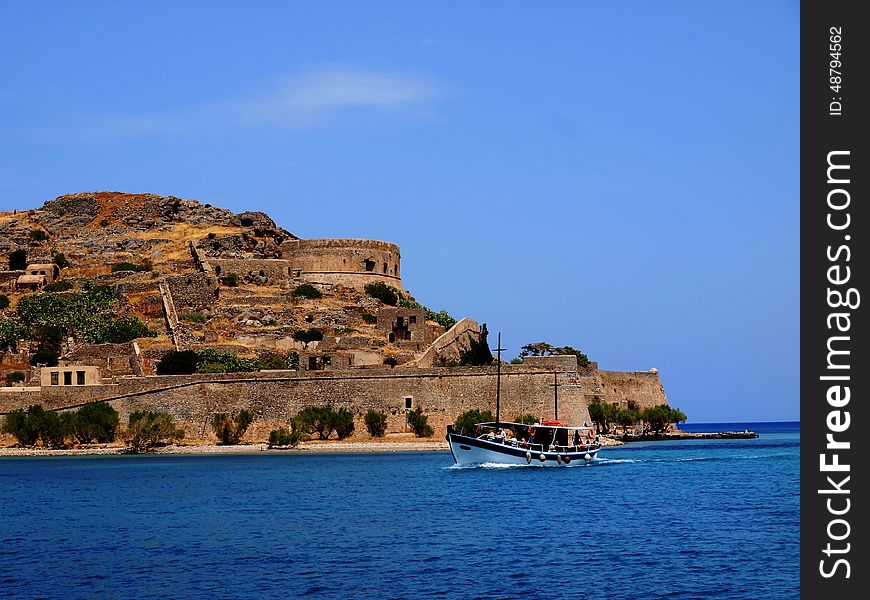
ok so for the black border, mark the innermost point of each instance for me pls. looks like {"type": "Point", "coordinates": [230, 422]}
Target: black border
{"type": "Point", "coordinates": [822, 133]}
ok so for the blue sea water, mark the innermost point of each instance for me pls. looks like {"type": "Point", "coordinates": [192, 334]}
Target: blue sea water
{"type": "Point", "coordinates": [686, 519]}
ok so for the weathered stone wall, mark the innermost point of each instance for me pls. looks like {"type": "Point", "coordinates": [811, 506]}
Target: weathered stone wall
{"type": "Point", "coordinates": [442, 393]}
{"type": "Point", "coordinates": [348, 262]}
{"type": "Point", "coordinates": [258, 271]}
{"type": "Point", "coordinates": [642, 387]}
{"type": "Point", "coordinates": [193, 291]}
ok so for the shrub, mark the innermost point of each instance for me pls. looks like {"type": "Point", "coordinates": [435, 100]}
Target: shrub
{"type": "Point", "coordinates": [376, 423]}
{"type": "Point", "coordinates": [383, 292]}
{"type": "Point", "coordinates": [178, 363]}
{"type": "Point", "coordinates": [192, 317]}
{"type": "Point", "coordinates": [391, 361]}
{"type": "Point", "coordinates": [230, 280]}
{"type": "Point", "coordinates": [230, 429]}
{"type": "Point", "coordinates": [18, 260]}
{"type": "Point", "coordinates": [526, 419]}
{"type": "Point", "coordinates": [271, 362]}
{"type": "Point", "coordinates": [15, 377]}
{"type": "Point", "coordinates": [516, 361]}
{"type": "Point", "coordinates": [19, 425]}
{"type": "Point", "coordinates": [211, 235]}
{"type": "Point", "coordinates": [369, 318]}
{"type": "Point", "coordinates": [44, 356]}
{"type": "Point", "coordinates": [4, 301]}
{"type": "Point", "coordinates": [343, 421]}
{"type": "Point", "coordinates": [212, 361]}
{"type": "Point", "coordinates": [309, 318]}
{"type": "Point", "coordinates": [292, 362]}
{"type": "Point", "coordinates": [125, 266]}
{"type": "Point", "coordinates": [465, 422]}
{"type": "Point", "coordinates": [60, 260]}
{"type": "Point", "coordinates": [93, 421]}
{"type": "Point", "coordinates": [38, 235]}
{"type": "Point", "coordinates": [306, 290]}
{"type": "Point", "coordinates": [441, 317]}
{"type": "Point", "coordinates": [58, 286]}
{"type": "Point", "coordinates": [283, 437]}
{"type": "Point", "coordinates": [420, 423]}
{"type": "Point", "coordinates": [147, 429]}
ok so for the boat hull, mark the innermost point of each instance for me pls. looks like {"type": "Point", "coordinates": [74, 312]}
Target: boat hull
{"type": "Point", "coordinates": [470, 451]}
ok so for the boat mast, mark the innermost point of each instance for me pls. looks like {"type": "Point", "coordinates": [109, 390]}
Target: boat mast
{"type": "Point", "coordinates": [555, 385]}
{"type": "Point", "coordinates": [498, 381]}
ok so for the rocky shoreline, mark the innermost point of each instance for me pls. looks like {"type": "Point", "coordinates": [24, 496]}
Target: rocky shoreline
{"type": "Point", "coordinates": [403, 444]}
{"type": "Point", "coordinates": [683, 435]}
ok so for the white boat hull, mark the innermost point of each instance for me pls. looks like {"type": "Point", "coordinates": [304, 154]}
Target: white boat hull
{"type": "Point", "coordinates": [469, 451]}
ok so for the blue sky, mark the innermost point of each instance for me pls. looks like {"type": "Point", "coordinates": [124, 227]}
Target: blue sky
{"type": "Point", "coordinates": [617, 176]}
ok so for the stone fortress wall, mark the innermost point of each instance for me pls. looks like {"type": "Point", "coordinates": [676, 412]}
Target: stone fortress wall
{"type": "Point", "coordinates": [276, 396]}
{"type": "Point", "coordinates": [348, 262]}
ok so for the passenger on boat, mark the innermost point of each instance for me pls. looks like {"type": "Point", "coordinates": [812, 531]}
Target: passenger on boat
{"type": "Point", "coordinates": [501, 436]}
{"type": "Point", "coordinates": [576, 437]}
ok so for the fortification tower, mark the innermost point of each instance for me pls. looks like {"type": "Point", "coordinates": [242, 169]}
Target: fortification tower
{"type": "Point", "coordinates": [348, 262]}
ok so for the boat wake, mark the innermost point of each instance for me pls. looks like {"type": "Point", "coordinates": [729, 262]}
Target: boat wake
{"type": "Point", "coordinates": [620, 461]}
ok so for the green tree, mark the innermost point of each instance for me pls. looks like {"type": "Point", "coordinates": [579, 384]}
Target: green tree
{"type": "Point", "coordinates": [292, 361]}
{"type": "Point", "coordinates": [465, 423]}
{"type": "Point", "coordinates": [15, 377]}
{"type": "Point", "coordinates": [420, 423]}
{"type": "Point", "coordinates": [383, 292]}
{"type": "Point", "coordinates": [60, 260]}
{"type": "Point", "coordinates": [178, 363]}
{"type": "Point", "coordinates": [603, 415]}
{"type": "Point", "coordinates": [306, 336]}
{"type": "Point", "coordinates": [230, 429]}
{"type": "Point", "coordinates": [316, 419]}
{"type": "Point", "coordinates": [212, 361]}
{"type": "Point", "coordinates": [18, 424]}
{"type": "Point", "coordinates": [126, 329]}
{"type": "Point", "coordinates": [545, 349]}
{"type": "Point", "coordinates": [659, 417]}
{"type": "Point", "coordinates": [94, 421]}
{"type": "Point", "coordinates": [148, 429]}
{"type": "Point", "coordinates": [44, 356]}
{"type": "Point", "coordinates": [10, 332]}
{"type": "Point", "coordinates": [51, 428]}
{"type": "Point", "coordinates": [4, 301]}
{"type": "Point", "coordinates": [527, 419]}
{"type": "Point", "coordinates": [376, 423]}
{"type": "Point", "coordinates": [306, 290]}
{"type": "Point", "coordinates": [18, 260]}
{"type": "Point", "coordinates": [343, 421]}
{"type": "Point", "coordinates": [626, 417]}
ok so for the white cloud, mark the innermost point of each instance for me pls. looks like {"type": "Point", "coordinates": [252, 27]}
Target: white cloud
{"type": "Point", "coordinates": [289, 101]}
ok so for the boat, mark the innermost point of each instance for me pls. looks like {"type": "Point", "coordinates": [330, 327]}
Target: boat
{"type": "Point", "coordinates": [540, 444]}
{"type": "Point", "coordinates": [543, 444]}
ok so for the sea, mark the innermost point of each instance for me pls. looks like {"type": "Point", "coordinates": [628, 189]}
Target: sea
{"type": "Point", "coordinates": [692, 519]}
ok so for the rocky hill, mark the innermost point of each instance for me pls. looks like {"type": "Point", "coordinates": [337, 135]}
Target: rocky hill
{"type": "Point", "coordinates": [201, 277]}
